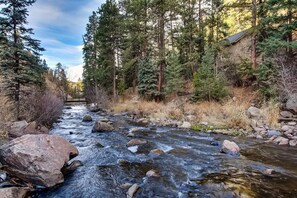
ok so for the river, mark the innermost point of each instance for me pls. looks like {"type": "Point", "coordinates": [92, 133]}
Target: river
{"type": "Point", "coordinates": [191, 167]}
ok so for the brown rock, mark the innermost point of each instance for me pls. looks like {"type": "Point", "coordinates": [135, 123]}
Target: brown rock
{"type": "Point", "coordinates": [23, 128]}
{"type": "Point", "coordinates": [136, 142]}
{"type": "Point", "coordinates": [230, 147]}
{"type": "Point", "coordinates": [37, 159]}
{"type": "Point", "coordinates": [281, 141]}
{"type": "Point", "coordinates": [132, 190]}
{"type": "Point", "coordinates": [16, 129]}
{"type": "Point", "coordinates": [14, 192]}
{"type": "Point", "coordinates": [102, 127]}
{"type": "Point", "coordinates": [157, 152]}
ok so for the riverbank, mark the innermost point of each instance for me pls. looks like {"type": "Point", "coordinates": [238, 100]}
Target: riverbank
{"type": "Point", "coordinates": [236, 116]}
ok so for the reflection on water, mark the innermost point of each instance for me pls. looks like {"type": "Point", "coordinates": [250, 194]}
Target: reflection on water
{"type": "Point", "coordinates": [191, 166]}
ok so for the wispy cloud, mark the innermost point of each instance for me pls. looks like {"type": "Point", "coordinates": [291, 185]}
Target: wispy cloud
{"type": "Point", "coordinates": [60, 24]}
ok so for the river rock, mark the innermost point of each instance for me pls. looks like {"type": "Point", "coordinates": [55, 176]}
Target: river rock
{"type": "Point", "coordinates": [16, 129]}
{"type": "Point", "coordinates": [253, 112]}
{"type": "Point", "coordinates": [286, 128]}
{"type": "Point", "coordinates": [230, 148]}
{"type": "Point", "coordinates": [132, 190]}
{"type": "Point", "coordinates": [152, 173]}
{"type": "Point", "coordinates": [134, 130]}
{"type": "Point", "coordinates": [281, 141]}
{"type": "Point", "coordinates": [87, 118]}
{"type": "Point", "coordinates": [272, 133]}
{"type": "Point", "coordinates": [126, 185]}
{"type": "Point", "coordinates": [14, 192]}
{"type": "Point", "coordinates": [268, 172]}
{"type": "Point", "coordinates": [157, 152]}
{"type": "Point", "coordinates": [136, 142]}
{"type": "Point", "coordinates": [292, 103]}
{"type": "Point", "coordinates": [186, 125]}
{"type": "Point", "coordinates": [102, 127]}
{"type": "Point", "coordinates": [292, 123]}
{"type": "Point", "coordinates": [37, 159]}
{"type": "Point", "coordinates": [20, 128]}
{"type": "Point", "coordinates": [293, 143]}
{"type": "Point", "coordinates": [286, 114]}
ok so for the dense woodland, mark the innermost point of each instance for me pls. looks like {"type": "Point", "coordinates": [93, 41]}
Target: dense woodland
{"type": "Point", "coordinates": [159, 46]}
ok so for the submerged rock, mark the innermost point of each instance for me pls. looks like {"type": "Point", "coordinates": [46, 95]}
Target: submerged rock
{"type": "Point", "coordinates": [87, 118]}
{"type": "Point", "coordinates": [152, 173]}
{"type": "Point", "coordinates": [37, 159]}
{"type": "Point", "coordinates": [132, 190]}
{"type": "Point", "coordinates": [157, 152]}
{"type": "Point", "coordinates": [136, 142]}
{"type": "Point", "coordinates": [14, 192]}
{"type": "Point", "coordinates": [71, 167]}
{"type": "Point", "coordinates": [230, 148]}
{"type": "Point", "coordinates": [102, 127]}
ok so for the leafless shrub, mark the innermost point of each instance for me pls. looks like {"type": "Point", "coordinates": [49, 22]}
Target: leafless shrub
{"type": "Point", "coordinates": [287, 76]}
{"type": "Point", "coordinates": [98, 97]}
{"type": "Point", "coordinates": [43, 107]}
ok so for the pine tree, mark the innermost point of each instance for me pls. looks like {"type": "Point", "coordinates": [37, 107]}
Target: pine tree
{"type": "Point", "coordinates": [20, 63]}
{"type": "Point", "coordinates": [174, 69]}
{"type": "Point", "coordinates": [147, 85]}
{"type": "Point", "coordinates": [207, 85]}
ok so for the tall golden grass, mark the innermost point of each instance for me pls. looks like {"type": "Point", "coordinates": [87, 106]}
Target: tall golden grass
{"type": "Point", "coordinates": [230, 113]}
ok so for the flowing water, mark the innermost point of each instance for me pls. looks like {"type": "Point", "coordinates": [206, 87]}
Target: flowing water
{"type": "Point", "coordinates": [191, 167]}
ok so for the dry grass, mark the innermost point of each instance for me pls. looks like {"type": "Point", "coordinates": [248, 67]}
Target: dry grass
{"type": "Point", "coordinates": [229, 114]}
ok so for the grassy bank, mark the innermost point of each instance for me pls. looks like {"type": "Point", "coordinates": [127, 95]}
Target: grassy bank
{"type": "Point", "coordinates": [229, 114]}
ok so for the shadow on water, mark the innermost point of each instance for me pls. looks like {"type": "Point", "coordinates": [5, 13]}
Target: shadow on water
{"type": "Point", "coordinates": [190, 167]}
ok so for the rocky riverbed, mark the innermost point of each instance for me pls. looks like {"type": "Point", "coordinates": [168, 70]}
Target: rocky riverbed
{"type": "Point", "coordinates": [136, 160]}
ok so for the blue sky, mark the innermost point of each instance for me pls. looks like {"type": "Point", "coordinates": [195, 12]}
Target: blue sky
{"type": "Point", "coordinates": [60, 24]}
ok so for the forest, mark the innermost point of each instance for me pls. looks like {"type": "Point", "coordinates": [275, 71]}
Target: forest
{"type": "Point", "coordinates": [161, 46]}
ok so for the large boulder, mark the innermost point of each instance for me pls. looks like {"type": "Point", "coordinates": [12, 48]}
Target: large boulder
{"type": "Point", "coordinates": [17, 129]}
{"type": "Point", "coordinates": [37, 159]}
{"type": "Point", "coordinates": [87, 118]}
{"type": "Point", "coordinates": [102, 127]}
{"type": "Point", "coordinates": [230, 148]}
{"type": "Point", "coordinates": [292, 103]}
{"type": "Point", "coordinates": [14, 192]}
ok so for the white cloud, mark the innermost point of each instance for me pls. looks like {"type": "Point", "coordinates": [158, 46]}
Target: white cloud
{"type": "Point", "coordinates": [75, 73]}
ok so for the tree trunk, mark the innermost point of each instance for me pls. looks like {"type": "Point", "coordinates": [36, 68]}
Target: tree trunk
{"type": "Point", "coordinates": [254, 35]}
{"type": "Point", "coordinates": [161, 52]}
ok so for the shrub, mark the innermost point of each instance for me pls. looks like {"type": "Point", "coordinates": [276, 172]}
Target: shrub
{"type": "Point", "coordinates": [43, 107]}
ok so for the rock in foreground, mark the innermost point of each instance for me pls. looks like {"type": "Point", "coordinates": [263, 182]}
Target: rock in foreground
{"type": "Point", "coordinates": [37, 159]}
{"type": "Point", "coordinates": [230, 148]}
{"type": "Point", "coordinates": [14, 192]}
{"type": "Point", "coordinates": [102, 127]}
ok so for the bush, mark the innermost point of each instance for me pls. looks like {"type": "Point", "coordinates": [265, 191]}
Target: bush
{"type": "Point", "coordinates": [43, 107]}
{"type": "Point", "coordinates": [209, 86]}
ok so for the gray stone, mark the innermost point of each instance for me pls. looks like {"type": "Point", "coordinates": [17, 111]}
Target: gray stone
{"type": "Point", "coordinates": [102, 127]}
{"type": "Point", "coordinates": [286, 128]}
{"type": "Point", "coordinates": [230, 148]}
{"type": "Point", "coordinates": [152, 173]}
{"type": "Point", "coordinates": [271, 133]}
{"type": "Point", "coordinates": [253, 112]}
{"type": "Point", "coordinates": [268, 171]}
{"type": "Point", "coordinates": [281, 141]}
{"type": "Point", "coordinates": [292, 103]}
{"type": "Point", "coordinates": [87, 118]}
{"type": "Point", "coordinates": [286, 114]}
{"type": "Point", "coordinates": [259, 137]}
{"type": "Point", "coordinates": [186, 125]}
{"type": "Point", "coordinates": [293, 143]}
{"type": "Point", "coordinates": [292, 123]}
{"type": "Point", "coordinates": [132, 190]}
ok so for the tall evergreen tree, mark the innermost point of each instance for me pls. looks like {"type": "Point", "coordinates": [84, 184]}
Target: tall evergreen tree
{"type": "Point", "coordinates": [20, 53]}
